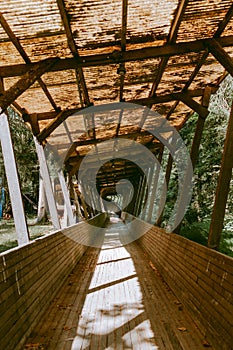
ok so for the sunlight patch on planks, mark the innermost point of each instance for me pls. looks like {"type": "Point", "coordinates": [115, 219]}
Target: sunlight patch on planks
{"type": "Point", "coordinates": [113, 315]}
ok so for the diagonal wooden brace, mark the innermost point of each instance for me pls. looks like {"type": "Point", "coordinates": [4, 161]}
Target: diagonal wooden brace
{"type": "Point", "coordinates": [221, 55]}
{"type": "Point", "coordinates": [26, 81]}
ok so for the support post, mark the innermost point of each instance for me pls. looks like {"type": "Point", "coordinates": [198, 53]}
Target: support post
{"type": "Point", "coordinates": [42, 204]}
{"type": "Point", "coordinates": [197, 136]}
{"type": "Point", "coordinates": [199, 128]}
{"type": "Point", "coordinates": [167, 179]}
{"type": "Point", "coordinates": [223, 186]}
{"type": "Point", "coordinates": [47, 185]}
{"type": "Point", "coordinates": [137, 202]}
{"type": "Point", "coordinates": [13, 181]}
{"type": "Point", "coordinates": [155, 184]}
{"type": "Point", "coordinates": [66, 196]}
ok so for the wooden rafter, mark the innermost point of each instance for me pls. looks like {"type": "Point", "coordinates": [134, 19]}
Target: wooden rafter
{"type": "Point", "coordinates": [26, 58]}
{"type": "Point", "coordinates": [121, 69]}
{"type": "Point", "coordinates": [119, 57]}
{"type": "Point", "coordinates": [25, 82]}
{"type": "Point", "coordinates": [224, 22]}
{"type": "Point", "coordinates": [73, 49]}
{"type": "Point", "coordinates": [143, 101]}
{"type": "Point", "coordinates": [186, 98]}
{"type": "Point", "coordinates": [61, 117]}
{"type": "Point", "coordinates": [170, 40]}
{"type": "Point", "coordinates": [221, 55]}
{"type": "Point", "coordinates": [202, 59]}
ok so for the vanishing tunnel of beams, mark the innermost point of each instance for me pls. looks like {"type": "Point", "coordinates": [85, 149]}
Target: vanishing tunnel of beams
{"type": "Point", "coordinates": [169, 58]}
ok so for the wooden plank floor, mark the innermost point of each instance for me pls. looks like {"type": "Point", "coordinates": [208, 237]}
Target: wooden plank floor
{"type": "Point", "coordinates": [116, 299]}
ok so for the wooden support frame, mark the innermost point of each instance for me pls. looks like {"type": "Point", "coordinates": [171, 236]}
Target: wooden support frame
{"type": "Point", "coordinates": [59, 119]}
{"type": "Point", "coordinates": [198, 135]}
{"type": "Point", "coordinates": [144, 101]}
{"type": "Point", "coordinates": [47, 186]}
{"type": "Point", "coordinates": [222, 190]}
{"type": "Point", "coordinates": [221, 55]}
{"type": "Point", "coordinates": [155, 184]}
{"type": "Point", "coordinates": [13, 181]}
{"type": "Point", "coordinates": [121, 69]}
{"type": "Point", "coordinates": [199, 129]}
{"type": "Point", "coordinates": [167, 50]}
{"type": "Point", "coordinates": [73, 49]}
{"type": "Point", "coordinates": [221, 27]}
{"type": "Point", "coordinates": [167, 179]}
{"type": "Point", "coordinates": [26, 58]}
{"type": "Point", "coordinates": [171, 39]}
{"type": "Point", "coordinates": [25, 82]}
{"type": "Point", "coordinates": [66, 196]}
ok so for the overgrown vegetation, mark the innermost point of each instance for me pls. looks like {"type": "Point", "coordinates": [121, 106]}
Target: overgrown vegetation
{"type": "Point", "coordinates": [197, 219]}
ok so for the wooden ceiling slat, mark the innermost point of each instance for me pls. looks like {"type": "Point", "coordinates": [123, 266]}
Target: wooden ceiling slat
{"type": "Point", "coordinates": [24, 55]}
{"type": "Point", "coordinates": [170, 40]}
{"type": "Point", "coordinates": [222, 56]}
{"type": "Point", "coordinates": [119, 57]}
{"type": "Point", "coordinates": [25, 82]}
{"type": "Point", "coordinates": [73, 49]}
{"type": "Point", "coordinates": [221, 27]}
{"type": "Point", "coordinates": [60, 118]}
{"type": "Point", "coordinates": [144, 101]}
{"type": "Point", "coordinates": [121, 69]}
{"type": "Point", "coordinates": [224, 22]}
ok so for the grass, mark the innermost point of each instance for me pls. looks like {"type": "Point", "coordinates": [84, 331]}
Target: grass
{"type": "Point", "coordinates": [8, 236]}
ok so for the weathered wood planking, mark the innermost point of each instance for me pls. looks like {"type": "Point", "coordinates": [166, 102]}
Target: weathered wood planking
{"type": "Point", "coordinates": [201, 278]}
{"type": "Point", "coordinates": [32, 275]}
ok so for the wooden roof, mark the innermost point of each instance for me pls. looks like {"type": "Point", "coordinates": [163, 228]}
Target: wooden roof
{"type": "Point", "coordinates": [59, 56]}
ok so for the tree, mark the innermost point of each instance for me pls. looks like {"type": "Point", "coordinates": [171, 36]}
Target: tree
{"type": "Point", "coordinates": [197, 218]}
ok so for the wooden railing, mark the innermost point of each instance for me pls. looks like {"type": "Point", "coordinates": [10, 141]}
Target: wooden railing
{"type": "Point", "coordinates": [201, 278]}
{"type": "Point", "coordinates": [32, 274]}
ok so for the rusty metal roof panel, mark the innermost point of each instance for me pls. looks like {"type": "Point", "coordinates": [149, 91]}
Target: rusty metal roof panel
{"type": "Point", "coordinates": [201, 19]}
{"type": "Point", "coordinates": [31, 18]}
{"type": "Point", "coordinates": [98, 23]}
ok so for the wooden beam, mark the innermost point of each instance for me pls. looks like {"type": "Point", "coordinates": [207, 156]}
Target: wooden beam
{"type": "Point", "coordinates": [202, 59]}
{"type": "Point", "coordinates": [222, 190]}
{"type": "Point", "coordinates": [170, 40]}
{"type": "Point", "coordinates": [63, 115]}
{"type": "Point", "coordinates": [119, 57]}
{"type": "Point", "coordinates": [224, 22]}
{"type": "Point", "coordinates": [66, 196]}
{"type": "Point", "coordinates": [144, 101]}
{"type": "Point", "coordinates": [47, 186]}
{"type": "Point", "coordinates": [25, 82]}
{"type": "Point", "coordinates": [13, 181]}
{"type": "Point", "coordinates": [221, 55]}
{"type": "Point", "coordinates": [167, 179]}
{"type": "Point", "coordinates": [198, 108]}
{"type": "Point", "coordinates": [179, 96]}
{"type": "Point", "coordinates": [121, 69]}
{"type": "Point", "coordinates": [73, 49]}
{"type": "Point", "coordinates": [34, 124]}
{"type": "Point", "coordinates": [24, 55]}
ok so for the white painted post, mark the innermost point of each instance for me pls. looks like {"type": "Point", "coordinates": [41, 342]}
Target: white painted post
{"type": "Point", "coordinates": [47, 185]}
{"type": "Point", "coordinates": [66, 196]}
{"type": "Point", "coordinates": [13, 181]}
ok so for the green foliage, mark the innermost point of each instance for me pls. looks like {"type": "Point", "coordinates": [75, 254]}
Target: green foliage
{"type": "Point", "coordinates": [198, 232]}
{"type": "Point", "coordinates": [197, 218]}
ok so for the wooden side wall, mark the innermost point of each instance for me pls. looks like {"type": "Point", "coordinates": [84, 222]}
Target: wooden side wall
{"type": "Point", "coordinates": [200, 277]}
{"type": "Point", "coordinates": [32, 274]}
